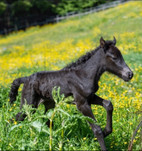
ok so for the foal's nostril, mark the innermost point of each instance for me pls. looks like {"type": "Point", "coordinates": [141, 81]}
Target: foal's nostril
{"type": "Point", "coordinates": [130, 75]}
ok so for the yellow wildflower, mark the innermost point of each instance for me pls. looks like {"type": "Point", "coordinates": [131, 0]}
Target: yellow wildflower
{"type": "Point", "coordinates": [95, 138]}
{"type": "Point", "coordinates": [15, 122]}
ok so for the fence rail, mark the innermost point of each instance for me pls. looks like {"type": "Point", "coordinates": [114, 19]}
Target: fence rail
{"type": "Point", "coordinates": [68, 15]}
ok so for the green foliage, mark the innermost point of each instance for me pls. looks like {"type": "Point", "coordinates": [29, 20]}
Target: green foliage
{"type": "Point", "coordinates": [33, 130]}
{"type": "Point", "coordinates": [2, 7]}
{"type": "Point", "coordinates": [23, 13]}
{"type": "Point", "coordinates": [42, 6]}
{"type": "Point", "coordinates": [65, 6]}
{"type": "Point", "coordinates": [9, 1]}
{"type": "Point", "coordinates": [22, 6]}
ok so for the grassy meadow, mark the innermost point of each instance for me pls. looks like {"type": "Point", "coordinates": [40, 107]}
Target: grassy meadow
{"type": "Point", "coordinates": [53, 46]}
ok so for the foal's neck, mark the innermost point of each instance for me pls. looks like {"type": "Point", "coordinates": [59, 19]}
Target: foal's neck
{"type": "Point", "coordinates": [94, 67]}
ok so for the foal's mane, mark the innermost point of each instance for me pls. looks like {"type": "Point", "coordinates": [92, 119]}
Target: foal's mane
{"type": "Point", "coordinates": [81, 60]}
{"type": "Point", "coordinates": [86, 57]}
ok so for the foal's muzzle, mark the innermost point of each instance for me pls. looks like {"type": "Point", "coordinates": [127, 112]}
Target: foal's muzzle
{"type": "Point", "coordinates": [130, 75]}
{"type": "Point", "coordinates": [127, 74]}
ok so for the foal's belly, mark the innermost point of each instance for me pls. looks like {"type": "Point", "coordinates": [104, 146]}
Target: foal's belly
{"type": "Point", "coordinates": [47, 88]}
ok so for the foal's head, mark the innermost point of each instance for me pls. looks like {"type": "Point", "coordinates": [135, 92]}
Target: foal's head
{"type": "Point", "coordinates": [114, 61]}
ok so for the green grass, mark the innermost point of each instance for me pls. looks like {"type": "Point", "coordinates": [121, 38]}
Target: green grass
{"type": "Point", "coordinates": [71, 131]}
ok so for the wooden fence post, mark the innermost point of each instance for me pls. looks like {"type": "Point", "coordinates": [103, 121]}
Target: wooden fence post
{"type": "Point", "coordinates": [57, 19]}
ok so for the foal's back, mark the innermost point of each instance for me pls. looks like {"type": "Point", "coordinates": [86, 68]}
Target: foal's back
{"type": "Point", "coordinates": [42, 83]}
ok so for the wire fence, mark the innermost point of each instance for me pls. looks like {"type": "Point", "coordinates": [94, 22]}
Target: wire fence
{"type": "Point", "coordinates": [25, 23]}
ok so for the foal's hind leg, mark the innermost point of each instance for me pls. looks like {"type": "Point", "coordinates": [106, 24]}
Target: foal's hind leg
{"type": "Point", "coordinates": [94, 99]}
{"type": "Point", "coordinates": [50, 104]}
{"type": "Point", "coordinates": [30, 97]}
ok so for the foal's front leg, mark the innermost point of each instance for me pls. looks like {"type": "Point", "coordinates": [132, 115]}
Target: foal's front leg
{"type": "Point", "coordinates": [85, 109]}
{"type": "Point", "coordinates": [94, 99]}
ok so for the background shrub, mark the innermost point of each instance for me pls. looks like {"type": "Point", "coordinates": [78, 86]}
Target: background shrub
{"type": "Point", "coordinates": [2, 8]}
{"type": "Point", "coordinates": [41, 6]}
{"type": "Point", "coordinates": [20, 7]}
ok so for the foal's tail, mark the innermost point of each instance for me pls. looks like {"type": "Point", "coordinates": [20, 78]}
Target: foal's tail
{"type": "Point", "coordinates": [14, 88]}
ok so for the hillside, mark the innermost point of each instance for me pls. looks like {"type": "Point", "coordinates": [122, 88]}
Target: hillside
{"type": "Point", "coordinates": [36, 47]}
{"type": "Point", "coordinates": [53, 46]}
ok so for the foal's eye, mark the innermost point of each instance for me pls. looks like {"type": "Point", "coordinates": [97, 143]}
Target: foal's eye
{"type": "Point", "coordinates": [114, 58]}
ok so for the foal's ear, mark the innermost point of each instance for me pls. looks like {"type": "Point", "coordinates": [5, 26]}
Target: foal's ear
{"type": "Point", "coordinates": [102, 42]}
{"type": "Point", "coordinates": [114, 40]}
